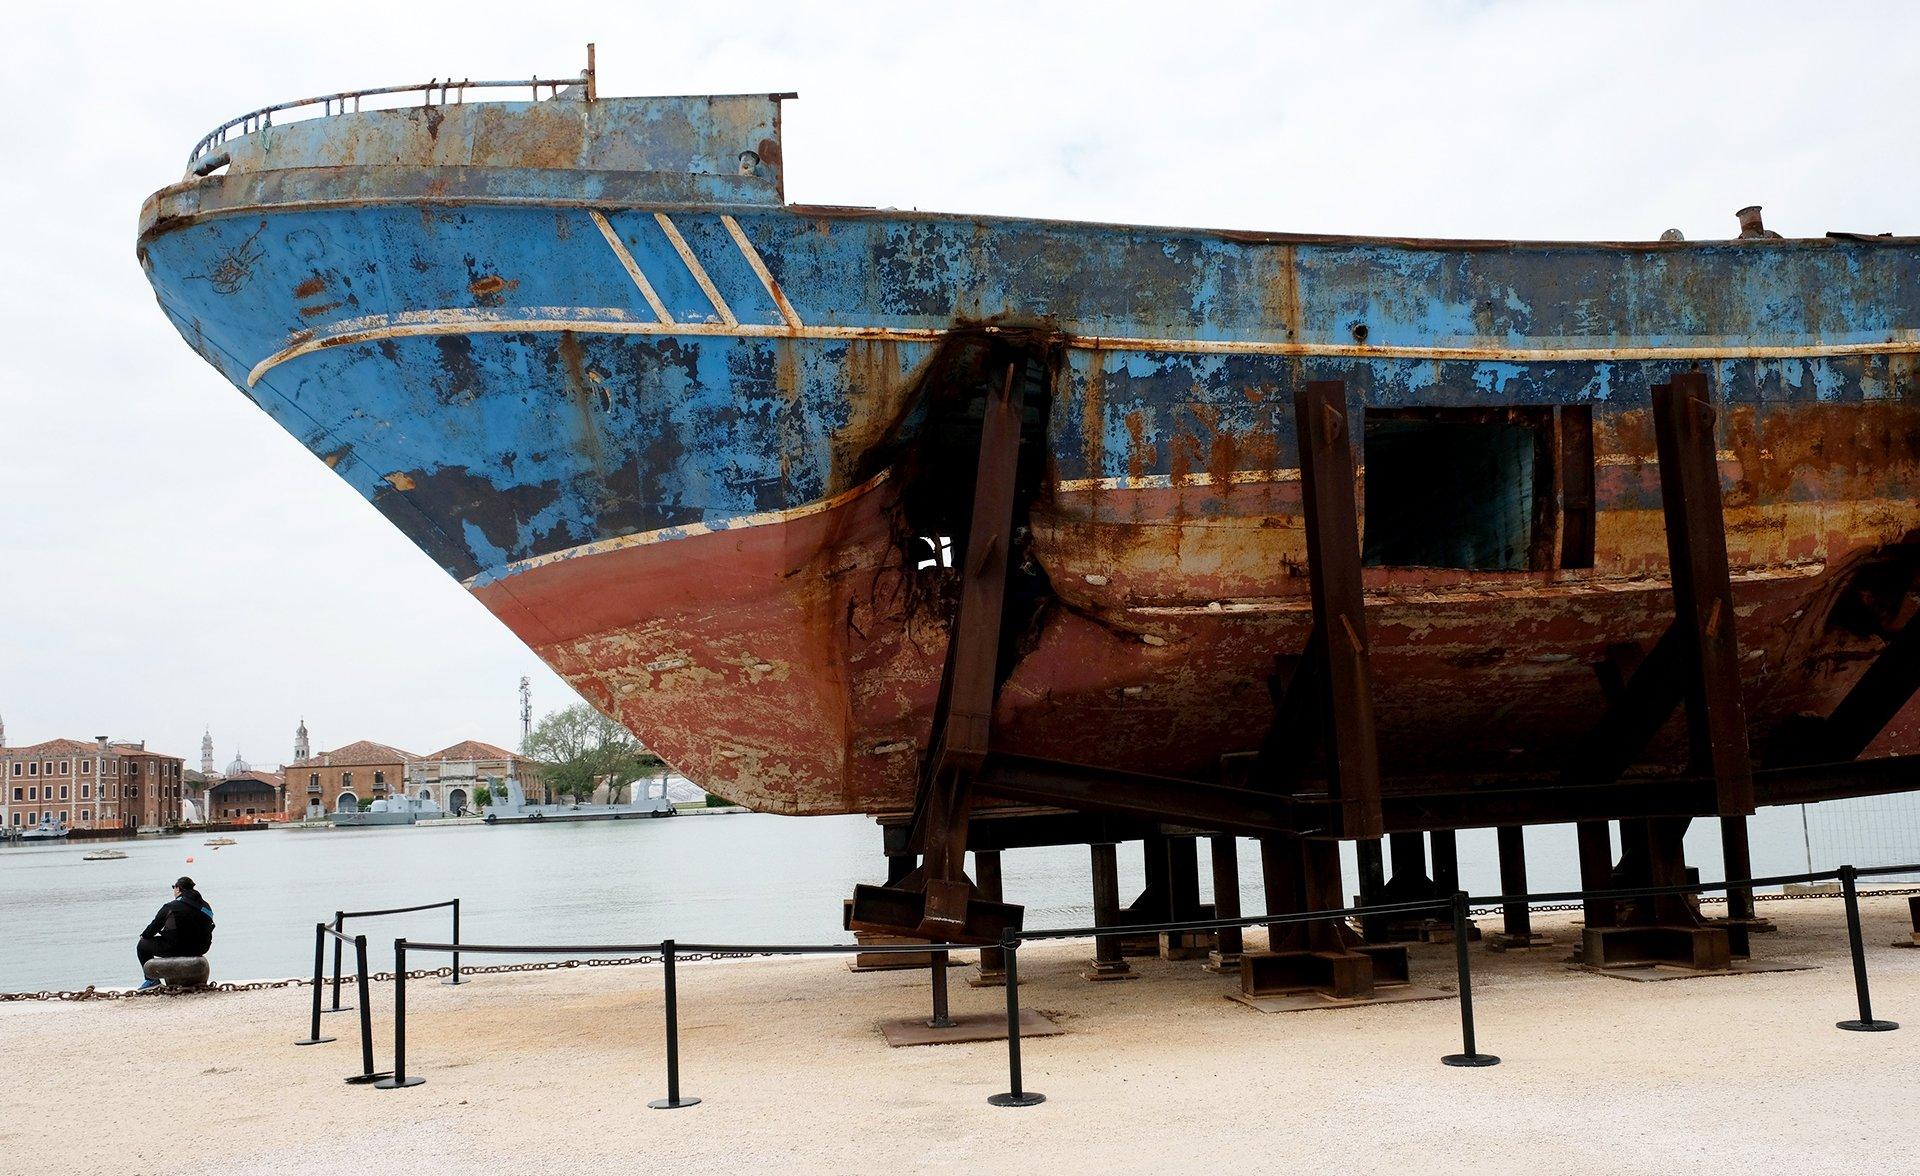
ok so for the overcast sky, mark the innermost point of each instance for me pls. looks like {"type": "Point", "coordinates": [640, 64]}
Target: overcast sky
{"type": "Point", "coordinates": [170, 559]}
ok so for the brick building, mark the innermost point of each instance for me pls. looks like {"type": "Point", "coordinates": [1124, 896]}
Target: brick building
{"type": "Point", "coordinates": [323, 783]}
{"type": "Point", "coordinates": [97, 785]}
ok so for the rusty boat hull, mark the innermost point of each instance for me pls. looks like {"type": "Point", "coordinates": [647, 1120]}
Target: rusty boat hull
{"type": "Point", "coordinates": [669, 429]}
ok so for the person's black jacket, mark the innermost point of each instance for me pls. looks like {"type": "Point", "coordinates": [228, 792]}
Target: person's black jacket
{"type": "Point", "coordinates": [184, 926]}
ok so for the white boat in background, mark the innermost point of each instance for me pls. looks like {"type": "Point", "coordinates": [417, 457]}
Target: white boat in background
{"type": "Point", "coordinates": [46, 830]}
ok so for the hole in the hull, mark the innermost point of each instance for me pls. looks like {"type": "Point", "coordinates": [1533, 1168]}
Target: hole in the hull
{"type": "Point", "coordinates": [1459, 488]}
{"type": "Point", "coordinates": [937, 551]}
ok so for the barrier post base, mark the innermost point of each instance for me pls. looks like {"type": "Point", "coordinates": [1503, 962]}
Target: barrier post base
{"type": "Point", "coordinates": [313, 1041]}
{"type": "Point", "coordinates": [367, 1079]}
{"type": "Point", "coordinates": [341, 1009]}
{"type": "Point", "coordinates": [1874, 1026]}
{"type": "Point", "coordinates": [1472, 1059]}
{"type": "Point", "coordinates": [392, 1083]}
{"type": "Point", "coordinates": [669, 1104]}
{"type": "Point", "coordinates": [1027, 1098]}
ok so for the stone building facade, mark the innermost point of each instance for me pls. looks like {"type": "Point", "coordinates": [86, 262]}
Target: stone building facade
{"type": "Point", "coordinates": [97, 785]}
{"type": "Point", "coordinates": [338, 780]}
{"type": "Point", "coordinates": [451, 776]}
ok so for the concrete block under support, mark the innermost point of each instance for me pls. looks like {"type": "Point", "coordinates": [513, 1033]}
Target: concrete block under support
{"type": "Point", "coordinates": [965, 1027]}
{"type": "Point", "coordinates": [1531, 941]}
{"type": "Point", "coordinates": [1099, 969]}
{"type": "Point", "coordinates": [1703, 949]}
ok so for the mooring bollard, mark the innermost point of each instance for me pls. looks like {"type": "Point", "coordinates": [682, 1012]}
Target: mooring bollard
{"type": "Point", "coordinates": [319, 981]}
{"type": "Point", "coordinates": [673, 1101]}
{"type": "Point", "coordinates": [1468, 1055]}
{"type": "Point", "coordinates": [940, 1018]}
{"type": "Point", "coordinates": [367, 1073]}
{"type": "Point", "coordinates": [398, 1078]}
{"type": "Point", "coordinates": [1865, 1023]}
{"type": "Point", "coordinates": [1015, 1096]}
{"type": "Point", "coordinates": [455, 978]}
{"type": "Point", "coordinates": [339, 927]}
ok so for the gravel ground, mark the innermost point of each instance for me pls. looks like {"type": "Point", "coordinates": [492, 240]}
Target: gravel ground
{"type": "Point", "coordinates": [551, 1072]}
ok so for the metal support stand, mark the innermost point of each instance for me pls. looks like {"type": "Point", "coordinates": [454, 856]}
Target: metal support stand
{"type": "Point", "coordinates": [674, 1100]}
{"type": "Point", "coordinates": [454, 979]}
{"type": "Point", "coordinates": [1228, 941]}
{"type": "Point", "coordinates": [1516, 932]}
{"type": "Point", "coordinates": [339, 927]}
{"type": "Point", "coordinates": [399, 1079]}
{"type": "Point", "coordinates": [986, 883]}
{"type": "Point", "coordinates": [1469, 1054]}
{"type": "Point", "coordinates": [940, 1018]}
{"type": "Point", "coordinates": [1865, 1022]}
{"type": "Point", "coordinates": [1181, 853]}
{"type": "Point", "coordinates": [319, 966]}
{"type": "Point", "coordinates": [367, 1074]}
{"type": "Point", "coordinates": [1016, 1095]}
{"type": "Point", "coordinates": [1108, 961]}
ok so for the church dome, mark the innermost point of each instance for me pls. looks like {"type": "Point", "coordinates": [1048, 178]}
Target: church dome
{"type": "Point", "coordinates": [239, 767]}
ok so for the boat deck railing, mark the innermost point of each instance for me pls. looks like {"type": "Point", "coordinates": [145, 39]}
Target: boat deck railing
{"type": "Point", "coordinates": [438, 92]}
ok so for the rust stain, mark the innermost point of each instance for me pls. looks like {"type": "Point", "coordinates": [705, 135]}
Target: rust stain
{"type": "Point", "coordinates": [489, 285]}
{"type": "Point", "coordinates": [317, 311]}
{"type": "Point", "coordinates": [400, 481]}
{"type": "Point", "coordinates": [310, 287]}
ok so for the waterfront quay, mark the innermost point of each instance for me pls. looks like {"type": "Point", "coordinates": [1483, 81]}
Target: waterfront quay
{"type": "Point", "coordinates": [1161, 1074]}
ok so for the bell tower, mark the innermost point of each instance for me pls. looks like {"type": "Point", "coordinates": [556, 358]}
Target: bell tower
{"type": "Point", "coordinates": [300, 748]}
{"type": "Point", "coordinates": [206, 753]}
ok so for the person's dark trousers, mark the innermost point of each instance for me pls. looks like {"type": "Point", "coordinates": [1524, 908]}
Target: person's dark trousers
{"type": "Point", "coordinates": [146, 950]}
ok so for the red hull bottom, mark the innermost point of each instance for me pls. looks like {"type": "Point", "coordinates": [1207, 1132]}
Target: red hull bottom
{"type": "Point", "coordinates": [791, 665]}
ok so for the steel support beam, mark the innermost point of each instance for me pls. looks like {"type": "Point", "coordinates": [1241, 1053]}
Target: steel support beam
{"type": "Point", "coordinates": [1324, 433]}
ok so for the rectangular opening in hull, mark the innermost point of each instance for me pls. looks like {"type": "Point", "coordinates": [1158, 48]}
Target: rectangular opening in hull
{"type": "Point", "coordinates": [1467, 488]}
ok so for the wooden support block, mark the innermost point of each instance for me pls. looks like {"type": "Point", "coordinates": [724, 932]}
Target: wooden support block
{"type": "Point", "coordinates": [1699, 948]}
{"type": "Point", "coordinates": [1390, 963]}
{"type": "Point", "coordinates": [1345, 975]}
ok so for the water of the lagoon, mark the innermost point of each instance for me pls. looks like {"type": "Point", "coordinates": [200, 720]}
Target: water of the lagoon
{"type": "Point", "coordinates": [740, 878]}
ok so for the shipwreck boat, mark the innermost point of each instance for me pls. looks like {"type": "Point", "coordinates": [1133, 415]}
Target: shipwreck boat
{"type": "Point", "coordinates": [734, 466]}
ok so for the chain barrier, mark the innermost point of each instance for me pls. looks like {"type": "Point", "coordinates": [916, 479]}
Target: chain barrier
{"type": "Point", "coordinates": [92, 993]}
{"type": "Point", "coordinates": [1720, 899]}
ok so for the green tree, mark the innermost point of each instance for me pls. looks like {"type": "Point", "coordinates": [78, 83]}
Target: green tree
{"type": "Point", "coordinates": [579, 749]}
{"type": "Point", "coordinates": [482, 797]}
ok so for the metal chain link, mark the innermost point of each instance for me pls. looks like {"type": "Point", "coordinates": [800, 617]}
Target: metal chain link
{"type": "Point", "coordinates": [1897, 892]}
{"type": "Point", "coordinates": [92, 993]}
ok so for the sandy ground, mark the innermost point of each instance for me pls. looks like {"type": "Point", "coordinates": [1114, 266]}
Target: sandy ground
{"type": "Point", "coordinates": [550, 1072]}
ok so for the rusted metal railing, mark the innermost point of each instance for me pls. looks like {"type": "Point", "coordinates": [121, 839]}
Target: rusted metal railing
{"type": "Point", "coordinates": [438, 92]}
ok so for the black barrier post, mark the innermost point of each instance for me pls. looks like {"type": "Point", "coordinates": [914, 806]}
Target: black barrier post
{"type": "Point", "coordinates": [339, 926]}
{"type": "Point", "coordinates": [1468, 1055]}
{"type": "Point", "coordinates": [319, 981]}
{"type": "Point", "coordinates": [455, 978]}
{"type": "Point", "coordinates": [398, 1078]}
{"type": "Point", "coordinates": [940, 1019]}
{"type": "Point", "coordinates": [673, 1101]}
{"type": "Point", "coordinates": [1015, 1096]}
{"type": "Point", "coordinates": [1865, 1023]}
{"type": "Point", "coordinates": [367, 1073]}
